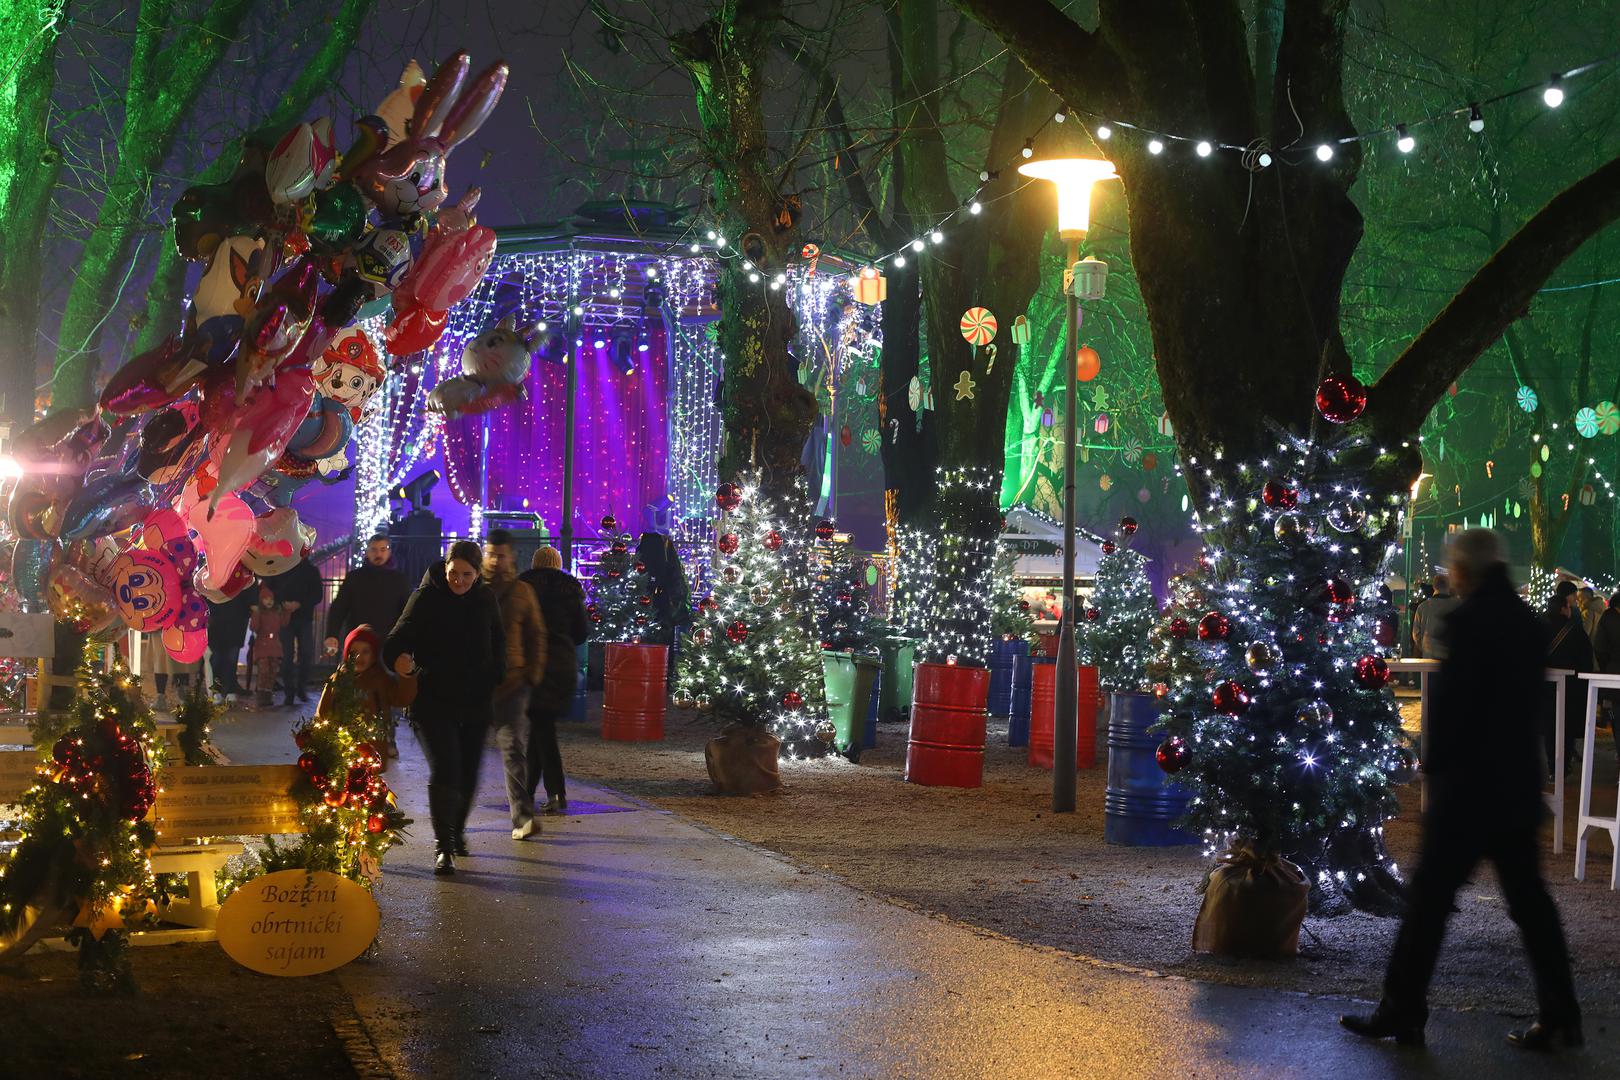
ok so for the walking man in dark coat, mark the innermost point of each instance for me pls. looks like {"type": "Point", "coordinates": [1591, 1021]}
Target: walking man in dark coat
{"type": "Point", "coordinates": [373, 594]}
{"type": "Point", "coordinates": [298, 591]}
{"type": "Point", "coordinates": [1486, 804]}
{"type": "Point", "coordinates": [562, 603]}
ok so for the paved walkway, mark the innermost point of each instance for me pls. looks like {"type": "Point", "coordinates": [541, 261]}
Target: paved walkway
{"type": "Point", "coordinates": [626, 942]}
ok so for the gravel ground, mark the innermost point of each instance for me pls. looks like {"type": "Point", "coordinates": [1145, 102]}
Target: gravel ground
{"type": "Point", "coordinates": [996, 857]}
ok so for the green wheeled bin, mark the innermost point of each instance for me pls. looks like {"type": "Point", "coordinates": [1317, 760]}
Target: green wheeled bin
{"type": "Point", "coordinates": [894, 695]}
{"type": "Point", "coordinates": [849, 688]}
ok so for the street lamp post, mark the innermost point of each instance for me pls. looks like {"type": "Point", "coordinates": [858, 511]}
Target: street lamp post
{"type": "Point", "coordinates": [1083, 280]}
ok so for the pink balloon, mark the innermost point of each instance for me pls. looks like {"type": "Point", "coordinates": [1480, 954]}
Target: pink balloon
{"type": "Point", "coordinates": [260, 429]}
{"type": "Point", "coordinates": [186, 646]}
{"type": "Point", "coordinates": [450, 267]}
{"type": "Point", "coordinates": [223, 533]}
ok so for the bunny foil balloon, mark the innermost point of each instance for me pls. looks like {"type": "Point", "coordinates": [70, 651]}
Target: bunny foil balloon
{"type": "Point", "coordinates": [494, 365]}
{"type": "Point", "coordinates": [408, 177]}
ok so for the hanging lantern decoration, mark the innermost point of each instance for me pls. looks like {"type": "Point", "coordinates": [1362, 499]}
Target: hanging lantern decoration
{"type": "Point", "coordinates": [871, 287]}
{"type": "Point", "coordinates": [1340, 398]}
{"type": "Point", "coordinates": [1087, 364]}
{"type": "Point", "coordinates": [1020, 331]}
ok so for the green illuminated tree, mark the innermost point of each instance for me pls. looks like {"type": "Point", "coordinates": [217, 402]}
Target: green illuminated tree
{"type": "Point", "coordinates": [29, 165]}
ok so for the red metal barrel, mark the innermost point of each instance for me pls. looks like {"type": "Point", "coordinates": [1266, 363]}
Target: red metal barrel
{"type": "Point", "coordinates": [947, 725]}
{"type": "Point", "coordinates": [633, 692]}
{"type": "Point", "coordinates": [1043, 703]}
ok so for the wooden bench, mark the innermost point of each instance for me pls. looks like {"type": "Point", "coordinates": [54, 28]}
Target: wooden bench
{"type": "Point", "coordinates": [194, 802]}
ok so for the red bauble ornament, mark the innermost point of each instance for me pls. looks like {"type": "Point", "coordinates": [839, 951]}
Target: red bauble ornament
{"type": "Point", "coordinates": [1214, 627]}
{"type": "Point", "coordinates": [1338, 599]}
{"type": "Point", "coordinates": [367, 754]}
{"type": "Point", "coordinates": [1092, 614]}
{"type": "Point", "coordinates": [336, 797]}
{"type": "Point", "coordinates": [376, 823]}
{"type": "Point", "coordinates": [731, 574]}
{"type": "Point", "coordinates": [727, 544]}
{"type": "Point", "coordinates": [1172, 754]}
{"type": "Point", "coordinates": [1179, 628]}
{"type": "Point", "coordinates": [773, 541]}
{"type": "Point", "coordinates": [644, 600]}
{"type": "Point", "coordinates": [793, 700]}
{"type": "Point", "coordinates": [1279, 496]}
{"type": "Point", "coordinates": [359, 777]}
{"type": "Point", "coordinates": [1230, 699]}
{"type": "Point", "coordinates": [301, 738]}
{"type": "Point", "coordinates": [307, 762]}
{"type": "Point", "coordinates": [708, 603]}
{"type": "Point", "coordinates": [825, 529]}
{"type": "Point", "coordinates": [610, 523]}
{"type": "Point", "coordinates": [1340, 398]}
{"type": "Point", "coordinates": [1023, 605]}
{"type": "Point", "coordinates": [1372, 672]}
{"type": "Point", "coordinates": [737, 632]}
{"type": "Point", "coordinates": [728, 497]}
{"type": "Point", "coordinates": [596, 616]}
{"type": "Point", "coordinates": [641, 568]}
{"type": "Point", "coordinates": [1109, 547]}
{"type": "Point", "coordinates": [1127, 525]}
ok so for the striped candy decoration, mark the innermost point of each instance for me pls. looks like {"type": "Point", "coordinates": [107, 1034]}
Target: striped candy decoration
{"type": "Point", "coordinates": [978, 326]}
{"type": "Point", "coordinates": [1608, 418]}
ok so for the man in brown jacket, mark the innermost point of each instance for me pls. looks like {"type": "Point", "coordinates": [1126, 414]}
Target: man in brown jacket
{"type": "Point", "coordinates": [525, 666]}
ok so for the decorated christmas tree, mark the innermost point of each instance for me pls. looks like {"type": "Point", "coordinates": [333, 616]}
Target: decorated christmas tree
{"type": "Point", "coordinates": [1118, 618]}
{"type": "Point", "coordinates": [843, 599]}
{"type": "Point", "coordinates": [752, 657]}
{"type": "Point", "coordinates": [1276, 712]}
{"type": "Point", "coordinates": [84, 834]}
{"type": "Point", "coordinates": [1010, 617]}
{"type": "Point", "coordinates": [622, 606]}
{"type": "Point", "coordinates": [947, 586]}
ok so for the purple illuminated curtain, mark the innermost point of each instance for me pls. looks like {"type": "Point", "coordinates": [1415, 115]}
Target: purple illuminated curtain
{"type": "Point", "coordinates": [621, 444]}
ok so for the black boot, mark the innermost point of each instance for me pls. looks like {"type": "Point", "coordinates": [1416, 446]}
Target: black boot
{"type": "Point", "coordinates": [1386, 1023]}
{"type": "Point", "coordinates": [459, 846]}
{"type": "Point", "coordinates": [444, 865]}
{"type": "Point", "coordinates": [1542, 1035]}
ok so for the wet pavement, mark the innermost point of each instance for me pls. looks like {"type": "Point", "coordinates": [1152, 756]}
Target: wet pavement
{"type": "Point", "coordinates": [627, 942]}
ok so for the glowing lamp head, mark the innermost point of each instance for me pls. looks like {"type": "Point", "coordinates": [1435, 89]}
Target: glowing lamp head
{"type": "Point", "coordinates": [1073, 178]}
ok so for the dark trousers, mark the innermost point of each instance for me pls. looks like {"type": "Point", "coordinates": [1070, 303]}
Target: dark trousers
{"type": "Point", "coordinates": [1458, 833]}
{"type": "Point", "coordinates": [545, 759]}
{"type": "Point", "coordinates": [222, 660]}
{"type": "Point", "coordinates": [454, 747]}
{"type": "Point", "coordinates": [299, 637]}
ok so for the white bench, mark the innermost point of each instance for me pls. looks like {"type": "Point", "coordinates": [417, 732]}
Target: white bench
{"type": "Point", "coordinates": [1586, 820]}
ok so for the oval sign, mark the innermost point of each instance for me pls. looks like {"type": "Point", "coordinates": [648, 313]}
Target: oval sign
{"type": "Point", "coordinates": [297, 922]}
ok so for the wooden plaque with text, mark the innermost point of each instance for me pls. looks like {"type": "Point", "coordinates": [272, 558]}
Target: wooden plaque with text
{"type": "Point", "coordinates": [226, 800]}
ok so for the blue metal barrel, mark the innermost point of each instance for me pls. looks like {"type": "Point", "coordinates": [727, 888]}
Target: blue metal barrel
{"type": "Point", "coordinates": [1142, 804]}
{"type": "Point", "coordinates": [1003, 657]}
{"type": "Point", "coordinates": [1023, 685]}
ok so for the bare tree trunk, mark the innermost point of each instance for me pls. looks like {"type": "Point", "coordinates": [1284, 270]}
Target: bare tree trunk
{"type": "Point", "coordinates": [29, 166]}
{"type": "Point", "coordinates": [167, 289]}
{"type": "Point", "coordinates": [766, 413]}
{"type": "Point", "coordinates": [164, 83]}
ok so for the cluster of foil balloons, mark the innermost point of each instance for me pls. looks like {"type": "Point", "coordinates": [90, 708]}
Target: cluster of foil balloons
{"type": "Point", "coordinates": [175, 487]}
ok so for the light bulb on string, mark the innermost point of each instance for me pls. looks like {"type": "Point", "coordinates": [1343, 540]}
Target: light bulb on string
{"type": "Point", "coordinates": [974, 207]}
{"type": "Point", "coordinates": [1264, 160]}
{"type": "Point", "coordinates": [899, 261]}
{"type": "Point", "coordinates": [1155, 146]}
{"type": "Point", "coordinates": [1324, 152]}
{"type": "Point", "coordinates": [937, 237]}
{"type": "Point", "coordinates": [1403, 141]}
{"type": "Point", "coordinates": [1554, 94]}
{"type": "Point", "coordinates": [1029, 148]}
{"type": "Point", "coordinates": [1104, 132]}
{"type": "Point", "coordinates": [1204, 148]}
{"type": "Point", "coordinates": [916, 245]}
{"type": "Point", "coordinates": [1476, 119]}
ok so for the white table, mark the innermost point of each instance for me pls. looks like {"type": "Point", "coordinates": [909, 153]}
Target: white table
{"type": "Point", "coordinates": [1425, 669]}
{"type": "Point", "coordinates": [1586, 820]}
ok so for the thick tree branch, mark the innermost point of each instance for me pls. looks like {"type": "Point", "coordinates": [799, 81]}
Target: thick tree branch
{"type": "Point", "coordinates": [1494, 297]}
{"type": "Point", "coordinates": [1077, 64]}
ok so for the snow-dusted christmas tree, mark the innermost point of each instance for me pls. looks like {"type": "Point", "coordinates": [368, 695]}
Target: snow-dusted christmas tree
{"type": "Point", "coordinates": [1119, 616]}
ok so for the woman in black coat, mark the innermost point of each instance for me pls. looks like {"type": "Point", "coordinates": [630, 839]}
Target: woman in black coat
{"type": "Point", "coordinates": [452, 627]}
